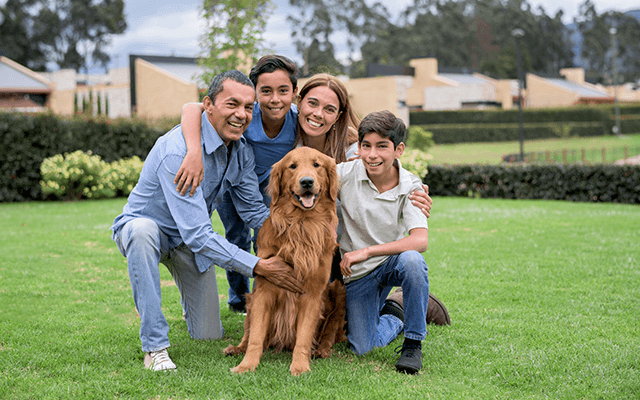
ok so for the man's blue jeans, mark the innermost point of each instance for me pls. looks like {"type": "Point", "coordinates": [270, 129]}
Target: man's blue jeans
{"type": "Point", "coordinates": [366, 329]}
{"type": "Point", "coordinates": [145, 247]}
{"type": "Point", "coordinates": [238, 233]}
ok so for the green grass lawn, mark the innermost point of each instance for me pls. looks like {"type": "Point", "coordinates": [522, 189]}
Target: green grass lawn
{"type": "Point", "coordinates": [491, 153]}
{"type": "Point", "coordinates": [543, 298]}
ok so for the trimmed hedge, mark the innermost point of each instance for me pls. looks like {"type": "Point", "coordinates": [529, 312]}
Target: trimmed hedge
{"type": "Point", "coordinates": [508, 116]}
{"type": "Point", "coordinates": [574, 182]}
{"type": "Point", "coordinates": [465, 126]}
{"type": "Point", "coordinates": [471, 133]}
{"type": "Point", "coordinates": [28, 139]}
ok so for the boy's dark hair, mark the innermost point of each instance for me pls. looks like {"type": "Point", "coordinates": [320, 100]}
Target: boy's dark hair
{"type": "Point", "coordinates": [218, 81]}
{"type": "Point", "coordinates": [385, 124]}
{"type": "Point", "coordinates": [272, 62]}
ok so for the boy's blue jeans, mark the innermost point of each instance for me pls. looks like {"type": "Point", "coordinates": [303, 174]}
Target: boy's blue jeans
{"type": "Point", "coordinates": [145, 247]}
{"type": "Point", "coordinates": [366, 329]}
{"type": "Point", "coordinates": [238, 233]}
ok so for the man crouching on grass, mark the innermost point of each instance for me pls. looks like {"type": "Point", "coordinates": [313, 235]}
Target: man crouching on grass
{"type": "Point", "coordinates": [158, 225]}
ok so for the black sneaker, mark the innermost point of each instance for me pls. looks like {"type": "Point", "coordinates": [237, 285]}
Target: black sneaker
{"type": "Point", "coordinates": [410, 361]}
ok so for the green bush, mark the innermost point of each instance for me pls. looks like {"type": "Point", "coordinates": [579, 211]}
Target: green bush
{"type": "Point", "coordinates": [28, 139]}
{"type": "Point", "coordinates": [471, 133]}
{"type": "Point", "coordinates": [124, 174]}
{"type": "Point", "coordinates": [418, 138]}
{"type": "Point", "coordinates": [467, 126]}
{"type": "Point", "coordinates": [415, 161]}
{"type": "Point", "coordinates": [83, 175]}
{"type": "Point", "coordinates": [574, 182]}
{"type": "Point", "coordinates": [573, 114]}
{"type": "Point", "coordinates": [76, 175]}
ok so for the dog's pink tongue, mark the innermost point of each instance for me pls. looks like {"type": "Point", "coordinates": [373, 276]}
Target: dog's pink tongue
{"type": "Point", "coordinates": [307, 200]}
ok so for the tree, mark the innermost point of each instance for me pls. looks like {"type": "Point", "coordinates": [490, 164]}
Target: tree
{"type": "Point", "coordinates": [316, 23]}
{"type": "Point", "coordinates": [597, 47]}
{"type": "Point", "coordinates": [69, 33]}
{"type": "Point", "coordinates": [19, 42]}
{"type": "Point", "coordinates": [473, 34]}
{"type": "Point", "coordinates": [234, 34]}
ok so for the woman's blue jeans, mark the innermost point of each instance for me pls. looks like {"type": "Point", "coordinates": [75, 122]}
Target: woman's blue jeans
{"type": "Point", "coordinates": [366, 329]}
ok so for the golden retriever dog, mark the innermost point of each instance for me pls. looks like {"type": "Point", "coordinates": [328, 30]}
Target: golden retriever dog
{"type": "Point", "coordinates": [300, 230]}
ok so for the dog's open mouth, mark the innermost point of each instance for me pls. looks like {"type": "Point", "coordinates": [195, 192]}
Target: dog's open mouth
{"type": "Point", "coordinates": [307, 199]}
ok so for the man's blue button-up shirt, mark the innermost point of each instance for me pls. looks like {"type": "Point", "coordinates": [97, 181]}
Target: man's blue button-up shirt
{"type": "Point", "coordinates": [188, 219]}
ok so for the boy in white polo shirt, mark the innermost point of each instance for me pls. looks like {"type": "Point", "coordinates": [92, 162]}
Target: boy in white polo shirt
{"type": "Point", "coordinates": [376, 254]}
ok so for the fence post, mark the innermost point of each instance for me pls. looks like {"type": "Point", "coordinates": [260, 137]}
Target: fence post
{"type": "Point", "coordinates": [604, 155]}
{"type": "Point", "coordinates": [626, 152]}
{"type": "Point", "coordinates": [564, 156]}
{"type": "Point", "coordinates": [548, 156]}
{"type": "Point", "coordinates": [584, 155]}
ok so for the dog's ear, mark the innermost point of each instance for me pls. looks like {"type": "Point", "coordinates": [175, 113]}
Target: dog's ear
{"type": "Point", "coordinates": [274, 181]}
{"type": "Point", "coordinates": [332, 176]}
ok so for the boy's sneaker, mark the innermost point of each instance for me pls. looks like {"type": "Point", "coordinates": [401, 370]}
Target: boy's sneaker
{"type": "Point", "coordinates": [158, 361]}
{"type": "Point", "coordinates": [410, 361]}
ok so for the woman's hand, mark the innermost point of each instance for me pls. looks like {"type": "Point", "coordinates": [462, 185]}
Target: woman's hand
{"type": "Point", "coordinates": [422, 200]}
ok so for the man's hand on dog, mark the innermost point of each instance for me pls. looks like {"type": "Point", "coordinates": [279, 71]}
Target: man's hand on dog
{"type": "Point", "coordinates": [278, 273]}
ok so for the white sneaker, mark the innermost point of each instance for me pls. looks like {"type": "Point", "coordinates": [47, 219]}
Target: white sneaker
{"type": "Point", "coordinates": [158, 361]}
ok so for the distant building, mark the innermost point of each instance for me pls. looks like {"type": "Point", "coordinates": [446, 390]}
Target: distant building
{"type": "Point", "coordinates": [569, 89]}
{"type": "Point", "coordinates": [22, 89]}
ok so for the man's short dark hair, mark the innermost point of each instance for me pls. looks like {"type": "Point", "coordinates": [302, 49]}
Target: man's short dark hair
{"type": "Point", "coordinates": [271, 63]}
{"type": "Point", "coordinates": [218, 81]}
{"type": "Point", "coordinates": [385, 124]}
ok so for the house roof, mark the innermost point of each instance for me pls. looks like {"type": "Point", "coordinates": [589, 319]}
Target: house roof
{"type": "Point", "coordinates": [184, 68]}
{"type": "Point", "coordinates": [16, 78]}
{"type": "Point", "coordinates": [581, 90]}
{"type": "Point", "coordinates": [463, 79]}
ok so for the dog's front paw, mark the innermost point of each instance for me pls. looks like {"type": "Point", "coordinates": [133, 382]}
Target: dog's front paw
{"type": "Point", "coordinates": [298, 368]}
{"type": "Point", "coordinates": [322, 352]}
{"type": "Point", "coordinates": [243, 367]}
{"type": "Point", "coordinates": [232, 350]}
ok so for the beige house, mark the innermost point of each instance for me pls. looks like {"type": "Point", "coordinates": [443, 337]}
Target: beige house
{"type": "Point", "coordinates": [558, 92]}
{"type": "Point", "coordinates": [421, 87]}
{"type": "Point", "coordinates": [109, 92]}
{"type": "Point", "coordinates": [158, 86]}
{"type": "Point", "coordinates": [22, 89]}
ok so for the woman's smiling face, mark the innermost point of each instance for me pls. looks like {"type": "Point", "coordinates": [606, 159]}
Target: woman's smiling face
{"type": "Point", "coordinates": [318, 110]}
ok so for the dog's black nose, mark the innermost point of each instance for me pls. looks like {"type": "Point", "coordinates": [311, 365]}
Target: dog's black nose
{"type": "Point", "coordinates": [306, 182]}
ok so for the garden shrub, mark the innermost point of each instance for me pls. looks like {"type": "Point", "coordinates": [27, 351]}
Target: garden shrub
{"type": "Point", "coordinates": [124, 174]}
{"type": "Point", "coordinates": [76, 175]}
{"type": "Point", "coordinates": [574, 182]}
{"type": "Point", "coordinates": [28, 139]}
{"type": "Point", "coordinates": [467, 126]}
{"type": "Point", "coordinates": [415, 161]}
{"type": "Point", "coordinates": [418, 138]}
{"type": "Point", "coordinates": [83, 175]}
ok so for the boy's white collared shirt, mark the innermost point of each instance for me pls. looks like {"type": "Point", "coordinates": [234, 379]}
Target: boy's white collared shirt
{"type": "Point", "coordinates": [370, 217]}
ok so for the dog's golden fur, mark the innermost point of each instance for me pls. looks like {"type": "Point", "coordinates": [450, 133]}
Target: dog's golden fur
{"type": "Point", "coordinates": [300, 230]}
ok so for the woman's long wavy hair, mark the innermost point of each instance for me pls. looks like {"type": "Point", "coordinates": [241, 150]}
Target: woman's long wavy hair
{"type": "Point", "coordinates": [343, 133]}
